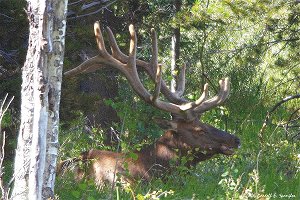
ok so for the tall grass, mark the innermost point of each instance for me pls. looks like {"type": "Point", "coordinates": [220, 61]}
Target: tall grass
{"type": "Point", "coordinates": [268, 170]}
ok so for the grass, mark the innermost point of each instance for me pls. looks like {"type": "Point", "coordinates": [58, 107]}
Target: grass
{"type": "Point", "coordinates": [258, 171]}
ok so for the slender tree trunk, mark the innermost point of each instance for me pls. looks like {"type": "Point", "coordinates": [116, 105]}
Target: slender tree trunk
{"type": "Point", "coordinates": [175, 49]}
{"type": "Point", "coordinates": [36, 153]}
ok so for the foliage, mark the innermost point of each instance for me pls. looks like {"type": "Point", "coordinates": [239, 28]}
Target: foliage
{"type": "Point", "coordinates": [5, 174]}
{"type": "Point", "coordinates": [255, 43]}
{"type": "Point", "coordinates": [12, 46]}
{"type": "Point", "coordinates": [254, 172]}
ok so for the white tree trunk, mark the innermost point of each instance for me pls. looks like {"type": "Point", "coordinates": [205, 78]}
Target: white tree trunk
{"type": "Point", "coordinates": [37, 148]}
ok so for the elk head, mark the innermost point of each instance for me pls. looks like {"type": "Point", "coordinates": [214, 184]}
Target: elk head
{"type": "Point", "coordinates": [206, 139]}
{"type": "Point", "coordinates": [186, 125]}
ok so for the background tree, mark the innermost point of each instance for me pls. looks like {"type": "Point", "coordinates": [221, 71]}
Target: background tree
{"type": "Point", "coordinates": [36, 153]}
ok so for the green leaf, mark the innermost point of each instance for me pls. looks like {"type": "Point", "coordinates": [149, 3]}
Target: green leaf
{"type": "Point", "coordinates": [82, 186]}
{"type": "Point", "coordinates": [140, 197]}
{"type": "Point", "coordinates": [225, 174]}
{"type": "Point", "coordinates": [91, 198]}
{"type": "Point", "coordinates": [75, 193]}
{"type": "Point", "coordinates": [134, 156]}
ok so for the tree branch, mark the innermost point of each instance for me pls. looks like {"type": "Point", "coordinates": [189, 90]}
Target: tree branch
{"type": "Point", "coordinates": [4, 188]}
{"type": "Point", "coordinates": [84, 7]}
{"type": "Point", "coordinates": [266, 121]}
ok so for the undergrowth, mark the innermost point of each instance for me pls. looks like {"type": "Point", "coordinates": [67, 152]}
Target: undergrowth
{"type": "Point", "coordinates": [259, 170]}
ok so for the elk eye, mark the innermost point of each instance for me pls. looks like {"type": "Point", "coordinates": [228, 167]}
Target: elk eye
{"type": "Point", "coordinates": [197, 129]}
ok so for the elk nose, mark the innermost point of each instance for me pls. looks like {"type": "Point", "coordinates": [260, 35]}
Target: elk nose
{"type": "Point", "coordinates": [238, 142]}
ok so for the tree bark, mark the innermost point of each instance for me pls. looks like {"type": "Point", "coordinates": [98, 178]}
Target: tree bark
{"type": "Point", "coordinates": [35, 161]}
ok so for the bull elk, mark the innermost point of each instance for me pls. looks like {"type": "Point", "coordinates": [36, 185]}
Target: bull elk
{"type": "Point", "coordinates": [185, 134]}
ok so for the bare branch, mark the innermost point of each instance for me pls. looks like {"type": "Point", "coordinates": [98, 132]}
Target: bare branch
{"type": "Point", "coordinates": [74, 3]}
{"type": "Point", "coordinates": [266, 121]}
{"type": "Point", "coordinates": [85, 7]}
{"type": "Point", "coordinates": [90, 5]}
{"type": "Point", "coordinates": [3, 108]}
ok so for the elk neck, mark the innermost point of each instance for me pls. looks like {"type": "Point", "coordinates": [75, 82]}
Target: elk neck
{"type": "Point", "coordinates": [168, 147]}
{"type": "Point", "coordinates": [171, 147]}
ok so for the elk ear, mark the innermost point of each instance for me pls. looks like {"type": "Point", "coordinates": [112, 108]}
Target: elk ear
{"type": "Point", "coordinates": [166, 124]}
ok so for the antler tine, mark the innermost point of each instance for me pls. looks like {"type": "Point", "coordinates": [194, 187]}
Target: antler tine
{"type": "Point", "coordinates": [203, 96]}
{"type": "Point", "coordinates": [132, 48]}
{"type": "Point", "coordinates": [155, 66]}
{"type": "Point", "coordinates": [149, 68]}
{"type": "Point", "coordinates": [190, 107]}
{"type": "Point", "coordinates": [199, 101]}
{"type": "Point", "coordinates": [100, 41]}
{"type": "Point", "coordinates": [158, 80]}
{"type": "Point", "coordinates": [130, 70]}
{"type": "Point", "coordinates": [98, 61]}
{"type": "Point", "coordinates": [128, 65]}
{"type": "Point", "coordinates": [216, 100]}
{"type": "Point", "coordinates": [115, 50]}
{"type": "Point", "coordinates": [138, 86]}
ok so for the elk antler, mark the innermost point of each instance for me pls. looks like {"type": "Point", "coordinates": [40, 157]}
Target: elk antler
{"type": "Point", "coordinates": [128, 66]}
